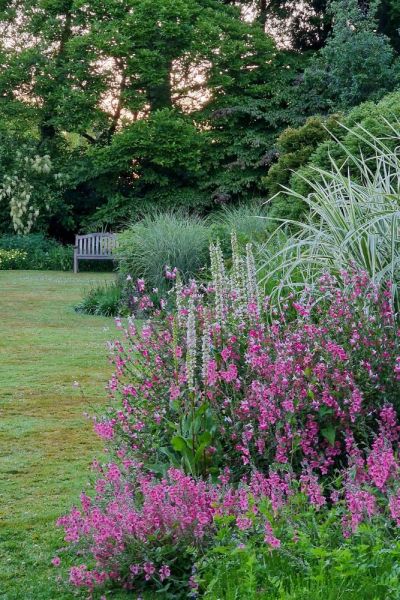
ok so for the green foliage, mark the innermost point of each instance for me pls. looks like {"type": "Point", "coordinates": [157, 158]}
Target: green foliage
{"type": "Point", "coordinates": [314, 560]}
{"type": "Point", "coordinates": [313, 145]}
{"type": "Point", "coordinates": [236, 162]}
{"type": "Point", "coordinates": [167, 150]}
{"type": "Point", "coordinates": [139, 108]}
{"type": "Point", "coordinates": [191, 436]}
{"type": "Point", "coordinates": [171, 105]}
{"type": "Point", "coordinates": [163, 240]}
{"type": "Point", "coordinates": [103, 300]}
{"type": "Point", "coordinates": [295, 147]}
{"type": "Point", "coordinates": [355, 65]}
{"type": "Point", "coordinates": [360, 130]}
{"type": "Point", "coordinates": [41, 253]}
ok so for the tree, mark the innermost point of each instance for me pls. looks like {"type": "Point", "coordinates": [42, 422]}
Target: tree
{"type": "Point", "coordinates": [301, 25]}
{"type": "Point", "coordinates": [388, 16]}
{"type": "Point", "coordinates": [357, 63]}
{"type": "Point", "coordinates": [246, 113]}
{"type": "Point", "coordinates": [142, 102]}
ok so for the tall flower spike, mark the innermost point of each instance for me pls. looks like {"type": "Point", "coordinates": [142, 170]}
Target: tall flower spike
{"type": "Point", "coordinates": [191, 345]}
{"type": "Point", "coordinates": [178, 293]}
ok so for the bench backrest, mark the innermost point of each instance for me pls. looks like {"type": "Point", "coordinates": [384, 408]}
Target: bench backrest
{"type": "Point", "coordinates": [96, 244]}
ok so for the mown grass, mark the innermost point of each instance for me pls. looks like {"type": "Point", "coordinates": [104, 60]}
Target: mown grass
{"type": "Point", "coordinates": [46, 444]}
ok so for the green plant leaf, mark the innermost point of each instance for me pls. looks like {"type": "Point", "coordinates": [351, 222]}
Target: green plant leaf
{"type": "Point", "coordinates": [329, 433]}
{"type": "Point", "coordinates": [179, 443]}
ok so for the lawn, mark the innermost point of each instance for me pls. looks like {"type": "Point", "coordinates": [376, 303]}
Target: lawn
{"type": "Point", "coordinates": [46, 443]}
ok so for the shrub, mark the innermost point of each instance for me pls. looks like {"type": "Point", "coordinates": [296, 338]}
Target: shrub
{"type": "Point", "coordinates": [219, 398]}
{"type": "Point", "coordinates": [312, 146]}
{"type": "Point", "coordinates": [364, 127]}
{"type": "Point", "coordinates": [41, 253]}
{"type": "Point", "coordinates": [12, 259]}
{"type": "Point", "coordinates": [105, 300]}
{"type": "Point", "coordinates": [163, 240]}
{"type": "Point", "coordinates": [295, 147]}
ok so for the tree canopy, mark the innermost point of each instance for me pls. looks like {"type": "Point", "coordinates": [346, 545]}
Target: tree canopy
{"type": "Point", "coordinates": [139, 104]}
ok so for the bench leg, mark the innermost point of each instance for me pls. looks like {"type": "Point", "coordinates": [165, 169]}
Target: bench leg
{"type": "Point", "coordinates": [76, 267]}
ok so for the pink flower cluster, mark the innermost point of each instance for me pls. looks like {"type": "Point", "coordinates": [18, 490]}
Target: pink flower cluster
{"type": "Point", "coordinates": [272, 403]}
{"type": "Point", "coordinates": [133, 509]}
{"type": "Point", "coordinates": [280, 392]}
{"type": "Point", "coordinates": [145, 513]}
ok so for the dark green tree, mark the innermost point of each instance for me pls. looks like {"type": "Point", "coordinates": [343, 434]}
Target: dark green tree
{"type": "Point", "coordinates": [356, 64]}
{"type": "Point", "coordinates": [248, 109]}
{"type": "Point", "coordinates": [388, 16]}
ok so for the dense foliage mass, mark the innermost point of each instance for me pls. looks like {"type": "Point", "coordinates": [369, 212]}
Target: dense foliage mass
{"type": "Point", "coordinates": [113, 109]}
{"type": "Point", "coordinates": [34, 251]}
{"type": "Point", "coordinates": [366, 130]}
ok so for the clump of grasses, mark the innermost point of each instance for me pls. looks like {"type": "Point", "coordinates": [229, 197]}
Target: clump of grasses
{"type": "Point", "coordinates": [354, 220]}
{"type": "Point", "coordinates": [160, 240]}
{"type": "Point", "coordinates": [104, 299]}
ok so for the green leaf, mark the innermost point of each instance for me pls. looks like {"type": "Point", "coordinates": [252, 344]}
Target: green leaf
{"type": "Point", "coordinates": [205, 438]}
{"type": "Point", "coordinates": [179, 443]}
{"type": "Point", "coordinates": [324, 411]}
{"type": "Point", "coordinates": [329, 434]}
{"type": "Point", "coordinates": [202, 409]}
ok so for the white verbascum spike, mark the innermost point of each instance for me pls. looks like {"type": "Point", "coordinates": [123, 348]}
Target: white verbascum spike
{"type": "Point", "coordinates": [219, 281]}
{"type": "Point", "coordinates": [205, 349]}
{"type": "Point", "coordinates": [238, 279]}
{"type": "Point", "coordinates": [178, 294]}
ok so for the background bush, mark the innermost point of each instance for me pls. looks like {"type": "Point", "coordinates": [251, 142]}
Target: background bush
{"type": "Point", "coordinates": [161, 240]}
{"type": "Point", "coordinates": [320, 140]}
{"type": "Point", "coordinates": [295, 147]}
{"type": "Point", "coordinates": [12, 259]}
{"type": "Point", "coordinates": [41, 252]}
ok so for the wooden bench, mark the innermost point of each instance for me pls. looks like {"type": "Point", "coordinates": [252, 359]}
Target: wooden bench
{"type": "Point", "coordinates": [94, 246]}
